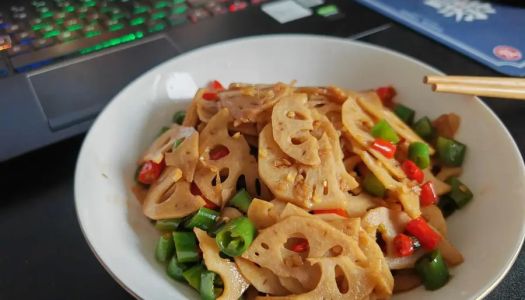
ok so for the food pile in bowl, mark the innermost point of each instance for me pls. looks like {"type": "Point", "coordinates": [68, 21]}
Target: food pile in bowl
{"type": "Point", "coordinates": [277, 190]}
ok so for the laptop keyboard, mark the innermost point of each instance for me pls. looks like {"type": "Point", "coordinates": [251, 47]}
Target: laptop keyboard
{"type": "Point", "coordinates": [41, 32]}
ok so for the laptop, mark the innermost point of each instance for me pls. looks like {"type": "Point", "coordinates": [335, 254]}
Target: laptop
{"type": "Point", "coordinates": [62, 61]}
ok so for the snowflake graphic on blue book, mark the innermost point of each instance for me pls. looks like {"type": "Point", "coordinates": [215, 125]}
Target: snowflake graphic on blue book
{"type": "Point", "coordinates": [462, 10]}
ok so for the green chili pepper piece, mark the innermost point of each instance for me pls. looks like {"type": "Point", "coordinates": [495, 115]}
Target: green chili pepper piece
{"type": "Point", "coordinates": [168, 224]}
{"type": "Point", "coordinates": [175, 269]}
{"type": "Point", "coordinates": [204, 219]}
{"type": "Point", "coordinates": [373, 186]}
{"type": "Point", "coordinates": [162, 130]}
{"type": "Point", "coordinates": [207, 289]}
{"type": "Point", "coordinates": [433, 270]}
{"type": "Point", "coordinates": [241, 200]}
{"type": "Point", "coordinates": [235, 236]}
{"type": "Point", "coordinates": [447, 205]}
{"type": "Point", "coordinates": [405, 113]}
{"type": "Point", "coordinates": [164, 249]}
{"type": "Point", "coordinates": [423, 127]}
{"type": "Point", "coordinates": [459, 192]}
{"type": "Point", "coordinates": [384, 131]}
{"type": "Point", "coordinates": [450, 152]}
{"type": "Point", "coordinates": [177, 143]}
{"type": "Point", "coordinates": [420, 154]}
{"type": "Point", "coordinates": [186, 247]}
{"type": "Point", "coordinates": [179, 116]}
{"type": "Point", "coordinates": [193, 275]}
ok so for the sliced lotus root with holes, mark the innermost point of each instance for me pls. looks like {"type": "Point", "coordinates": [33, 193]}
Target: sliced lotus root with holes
{"type": "Point", "coordinates": [327, 108]}
{"type": "Point", "coordinates": [371, 103]}
{"type": "Point", "coordinates": [237, 162]}
{"type": "Point", "coordinates": [377, 266]}
{"type": "Point", "coordinates": [206, 109]}
{"type": "Point", "coordinates": [322, 125]}
{"type": "Point", "coordinates": [292, 124]}
{"type": "Point", "coordinates": [247, 102]}
{"type": "Point", "coordinates": [234, 282]}
{"type": "Point", "coordinates": [191, 118]}
{"type": "Point", "coordinates": [263, 213]}
{"type": "Point", "coordinates": [358, 125]}
{"type": "Point", "coordinates": [170, 197]}
{"type": "Point", "coordinates": [264, 280]}
{"type": "Point", "coordinates": [309, 187]}
{"type": "Point", "coordinates": [269, 247]}
{"type": "Point", "coordinates": [164, 143]}
{"type": "Point", "coordinates": [185, 156]}
{"type": "Point", "coordinates": [332, 93]}
{"type": "Point", "coordinates": [340, 278]}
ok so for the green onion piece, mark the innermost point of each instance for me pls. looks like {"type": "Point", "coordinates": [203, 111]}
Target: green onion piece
{"type": "Point", "coordinates": [433, 270]}
{"type": "Point", "coordinates": [447, 205]}
{"type": "Point", "coordinates": [162, 130]}
{"type": "Point", "coordinates": [450, 152]}
{"type": "Point", "coordinates": [419, 153]}
{"type": "Point", "coordinates": [236, 236]}
{"type": "Point", "coordinates": [164, 249]}
{"type": "Point", "coordinates": [168, 224]}
{"type": "Point", "coordinates": [175, 269]}
{"type": "Point", "coordinates": [373, 186]}
{"type": "Point", "coordinates": [207, 289]}
{"type": "Point", "coordinates": [423, 127]}
{"type": "Point", "coordinates": [459, 192]}
{"type": "Point", "coordinates": [186, 247]}
{"type": "Point", "coordinates": [204, 219]}
{"type": "Point", "coordinates": [193, 275]}
{"type": "Point", "coordinates": [179, 116]}
{"type": "Point", "coordinates": [241, 200]}
{"type": "Point", "coordinates": [405, 113]}
{"type": "Point", "coordinates": [384, 131]}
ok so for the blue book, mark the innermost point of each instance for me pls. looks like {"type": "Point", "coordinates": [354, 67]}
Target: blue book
{"type": "Point", "coordinates": [489, 32]}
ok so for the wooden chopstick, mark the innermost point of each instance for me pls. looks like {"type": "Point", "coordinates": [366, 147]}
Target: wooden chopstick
{"type": "Point", "coordinates": [511, 88]}
{"type": "Point", "coordinates": [476, 80]}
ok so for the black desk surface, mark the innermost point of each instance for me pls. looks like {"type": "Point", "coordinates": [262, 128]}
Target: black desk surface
{"type": "Point", "coordinates": [43, 254]}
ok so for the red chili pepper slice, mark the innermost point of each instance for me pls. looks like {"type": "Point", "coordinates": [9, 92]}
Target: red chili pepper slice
{"type": "Point", "coordinates": [216, 86]}
{"type": "Point", "coordinates": [384, 147]}
{"type": "Point", "coordinates": [300, 246]}
{"type": "Point", "coordinates": [337, 211]}
{"type": "Point", "coordinates": [210, 96]}
{"type": "Point", "coordinates": [412, 171]}
{"type": "Point", "coordinates": [219, 152]}
{"type": "Point", "coordinates": [386, 94]}
{"type": "Point", "coordinates": [403, 245]}
{"type": "Point", "coordinates": [419, 228]}
{"type": "Point", "coordinates": [428, 194]}
{"type": "Point", "coordinates": [210, 204]}
{"type": "Point", "coordinates": [150, 171]}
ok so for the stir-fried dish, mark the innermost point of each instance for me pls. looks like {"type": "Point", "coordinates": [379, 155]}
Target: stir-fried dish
{"type": "Point", "coordinates": [283, 192]}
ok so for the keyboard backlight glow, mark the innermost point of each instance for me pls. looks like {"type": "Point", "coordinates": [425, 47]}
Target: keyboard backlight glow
{"type": "Point", "coordinates": [113, 42]}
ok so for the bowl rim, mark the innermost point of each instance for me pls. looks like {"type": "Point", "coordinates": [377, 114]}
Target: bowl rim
{"type": "Point", "coordinates": [481, 294]}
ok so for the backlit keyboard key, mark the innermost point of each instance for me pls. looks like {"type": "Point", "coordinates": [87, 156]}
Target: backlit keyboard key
{"type": "Point", "coordinates": [67, 36]}
{"type": "Point", "coordinates": [18, 49]}
{"type": "Point", "coordinates": [42, 43]}
{"type": "Point", "coordinates": [177, 19]}
{"type": "Point", "coordinates": [24, 37]}
{"type": "Point", "coordinates": [198, 14]}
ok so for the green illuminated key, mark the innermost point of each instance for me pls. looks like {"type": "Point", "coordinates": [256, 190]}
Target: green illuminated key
{"type": "Point", "coordinates": [90, 3]}
{"type": "Point", "coordinates": [179, 10]}
{"type": "Point", "coordinates": [92, 33]}
{"type": "Point", "coordinates": [137, 21]}
{"type": "Point", "coordinates": [47, 14]}
{"type": "Point", "coordinates": [140, 9]}
{"type": "Point", "coordinates": [327, 10]}
{"type": "Point", "coordinates": [69, 8]}
{"type": "Point", "coordinates": [113, 42]}
{"type": "Point", "coordinates": [158, 15]}
{"type": "Point", "coordinates": [115, 27]}
{"type": "Point", "coordinates": [157, 27]}
{"type": "Point", "coordinates": [161, 4]}
{"type": "Point", "coordinates": [51, 33]}
{"type": "Point", "coordinates": [74, 27]}
{"type": "Point", "coordinates": [175, 2]}
{"type": "Point", "coordinates": [118, 16]}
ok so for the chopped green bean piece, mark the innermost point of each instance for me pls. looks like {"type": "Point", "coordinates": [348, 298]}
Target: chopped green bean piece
{"type": "Point", "coordinates": [193, 275]}
{"type": "Point", "coordinates": [204, 219]}
{"type": "Point", "coordinates": [450, 152]}
{"type": "Point", "coordinates": [423, 127]}
{"type": "Point", "coordinates": [459, 192]}
{"type": "Point", "coordinates": [168, 224]}
{"type": "Point", "coordinates": [419, 153]}
{"type": "Point", "coordinates": [164, 249]}
{"type": "Point", "coordinates": [241, 200]}
{"type": "Point", "coordinates": [186, 247]}
{"type": "Point", "coordinates": [175, 269]}
{"type": "Point", "coordinates": [405, 113]}
{"type": "Point", "coordinates": [236, 236]}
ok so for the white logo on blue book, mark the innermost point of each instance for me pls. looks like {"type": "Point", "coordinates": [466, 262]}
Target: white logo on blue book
{"type": "Point", "coordinates": [462, 10]}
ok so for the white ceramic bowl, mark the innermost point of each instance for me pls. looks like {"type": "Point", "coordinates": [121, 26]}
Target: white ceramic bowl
{"type": "Point", "coordinates": [488, 231]}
